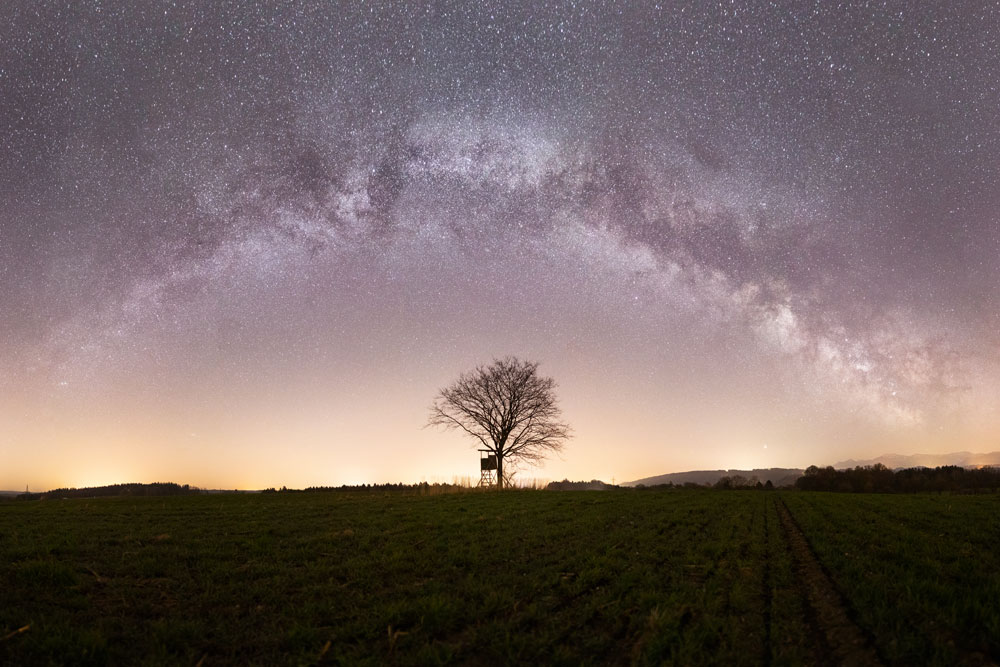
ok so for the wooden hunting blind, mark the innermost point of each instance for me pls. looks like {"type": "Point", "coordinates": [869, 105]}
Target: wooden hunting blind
{"type": "Point", "coordinates": [487, 468]}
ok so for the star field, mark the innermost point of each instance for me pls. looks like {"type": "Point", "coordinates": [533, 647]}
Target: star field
{"type": "Point", "coordinates": [243, 244]}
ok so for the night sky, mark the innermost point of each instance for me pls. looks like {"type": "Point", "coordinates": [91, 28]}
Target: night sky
{"type": "Point", "coordinates": [243, 244]}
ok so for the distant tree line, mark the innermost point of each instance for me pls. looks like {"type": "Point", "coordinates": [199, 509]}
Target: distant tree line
{"type": "Point", "coordinates": [725, 483]}
{"type": "Point", "coordinates": [670, 485]}
{"type": "Point", "coordinates": [592, 485]}
{"type": "Point", "coordinates": [112, 490]}
{"type": "Point", "coordinates": [741, 482]}
{"type": "Point", "coordinates": [422, 487]}
{"type": "Point", "coordinates": [880, 479]}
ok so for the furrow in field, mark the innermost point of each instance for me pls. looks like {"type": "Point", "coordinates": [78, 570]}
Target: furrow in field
{"type": "Point", "coordinates": [924, 592]}
{"type": "Point", "coordinates": [768, 581]}
{"type": "Point", "coordinates": [840, 640]}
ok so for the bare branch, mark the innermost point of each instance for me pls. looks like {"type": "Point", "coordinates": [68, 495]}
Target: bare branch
{"type": "Point", "coordinates": [508, 408]}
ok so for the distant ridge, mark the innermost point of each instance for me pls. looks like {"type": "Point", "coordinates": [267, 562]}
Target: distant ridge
{"type": "Point", "coordinates": [787, 476]}
{"type": "Point", "coordinates": [895, 461]}
{"type": "Point", "coordinates": [777, 476]}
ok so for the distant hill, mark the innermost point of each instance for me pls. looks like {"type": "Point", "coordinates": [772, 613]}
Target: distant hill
{"type": "Point", "coordinates": [787, 476]}
{"type": "Point", "coordinates": [896, 461]}
{"type": "Point", "coordinates": [778, 476]}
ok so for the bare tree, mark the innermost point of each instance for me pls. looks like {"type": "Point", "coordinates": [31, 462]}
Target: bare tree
{"type": "Point", "coordinates": [508, 408]}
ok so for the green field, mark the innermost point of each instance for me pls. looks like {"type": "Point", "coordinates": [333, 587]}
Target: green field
{"type": "Point", "coordinates": [615, 577]}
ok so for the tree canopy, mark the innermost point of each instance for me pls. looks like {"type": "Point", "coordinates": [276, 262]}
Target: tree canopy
{"type": "Point", "coordinates": [508, 408]}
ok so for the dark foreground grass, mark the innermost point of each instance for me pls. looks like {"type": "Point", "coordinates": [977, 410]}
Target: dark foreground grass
{"type": "Point", "coordinates": [922, 572]}
{"type": "Point", "coordinates": [616, 577]}
{"type": "Point", "coordinates": [518, 577]}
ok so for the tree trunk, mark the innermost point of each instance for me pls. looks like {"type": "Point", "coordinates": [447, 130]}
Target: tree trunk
{"type": "Point", "coordinates": [499, 472]}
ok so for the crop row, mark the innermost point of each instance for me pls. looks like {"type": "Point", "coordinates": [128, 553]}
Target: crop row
{"type": "Point", "coordinates": [921, 573]}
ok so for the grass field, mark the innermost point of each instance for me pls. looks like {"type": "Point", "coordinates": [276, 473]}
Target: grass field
{"type": "Point", "coordinates": [614, 577]}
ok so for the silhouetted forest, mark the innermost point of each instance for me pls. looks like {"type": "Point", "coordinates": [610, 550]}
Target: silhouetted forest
{"type": "Point", "coordinates": [422, 487]}
{"type": "Point", "coordinates": [136, 490]}
{"type": "Point", "coordinates": [741, 482]}
{"type": "Point", "coordinates": [880, 479]}
{"type": "Point", "coordinates": [726, 483]}
{"type": "Point", "coordinates": [592, 485]}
